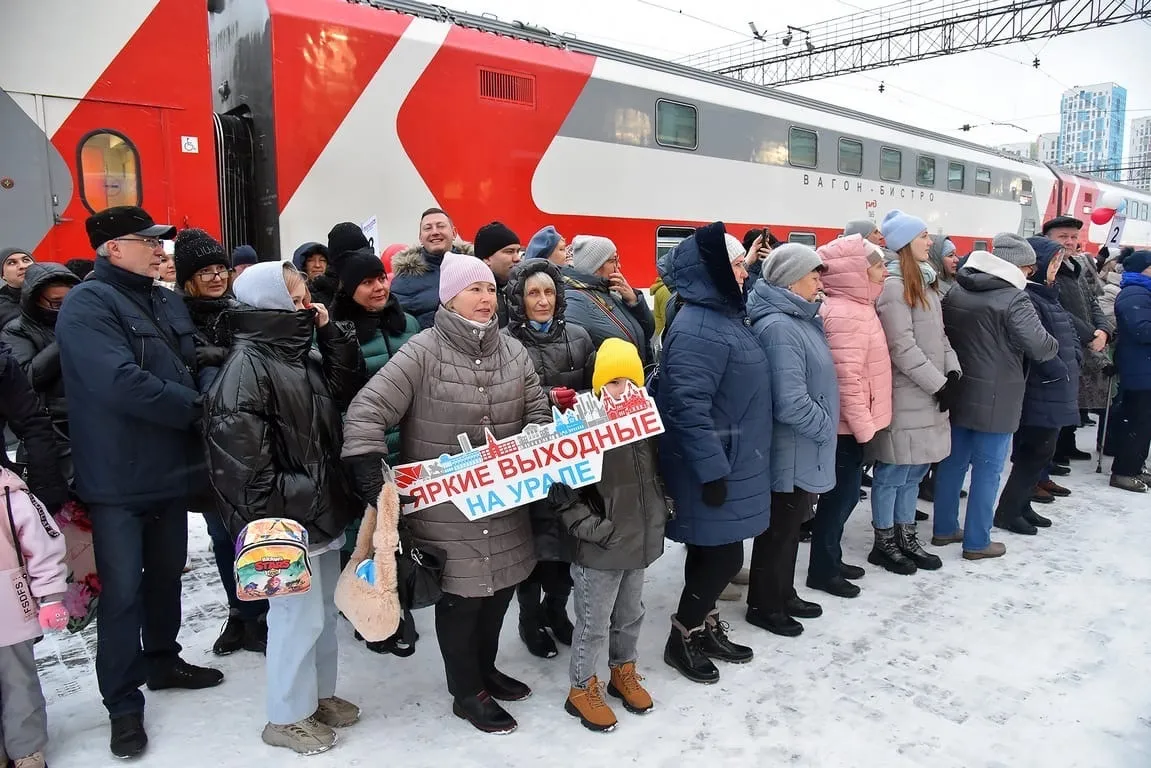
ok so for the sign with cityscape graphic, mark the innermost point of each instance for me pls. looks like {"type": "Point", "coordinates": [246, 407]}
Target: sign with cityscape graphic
{"type": "Point", "coordinates": [508, 473]}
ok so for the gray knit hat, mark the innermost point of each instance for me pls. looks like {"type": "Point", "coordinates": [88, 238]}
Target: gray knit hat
{"type": "Point", "coordinates": [589, 252]}
{"type": "Point", "coordinates": [789, 263]}
{"type": "Point", "coordinates": [861, 227]}
{"type": "Point", "coordinates": [1013, 249]}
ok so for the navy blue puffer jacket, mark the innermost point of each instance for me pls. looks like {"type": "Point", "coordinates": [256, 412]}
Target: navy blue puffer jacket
{"type": "Point", "coordinates": [714, 394]}
{"type": "Point", "coordinates": [1051, 399]}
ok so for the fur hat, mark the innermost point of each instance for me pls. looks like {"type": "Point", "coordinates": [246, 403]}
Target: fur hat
{"type": "Point", "coordinates": [194, 250]}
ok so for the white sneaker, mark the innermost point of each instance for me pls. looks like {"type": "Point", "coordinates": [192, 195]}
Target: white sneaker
{"type": "Point", "coordinates": [307, 737]}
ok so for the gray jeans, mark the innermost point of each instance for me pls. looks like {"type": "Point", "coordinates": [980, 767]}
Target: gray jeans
{"type": "Point", "coordinates": [23, 713]}
{"type": "Point", "coordinates": [608, 607]}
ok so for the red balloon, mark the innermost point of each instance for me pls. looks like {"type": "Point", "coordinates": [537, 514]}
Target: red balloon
{"type": "Point", "coordinates": [1102, 215]}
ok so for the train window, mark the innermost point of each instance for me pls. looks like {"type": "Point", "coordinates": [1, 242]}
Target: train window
{"type": "Point", "coordinates": [982, 181]}
{"type": "Point", "coordinates": [850, 157]}
{"type": "Point", "coordinates": [956, 176]}
{"type": "Point", "coordinates": [982, 245]}
{"type": "Point", "coordinates": [676, 125]}
{"type": "Point", "coordinates": [890, 164]}
{"type": "Point", "coordinates": [802, 147]}
{"type": "Point", "coordinates": [805, 238]}
{"type": "Point", "coordinates": [667, 238]}
{"type": "Point", "coordinates": [925, 171]}
{"type": "Point", "coordinates": [109, 171]}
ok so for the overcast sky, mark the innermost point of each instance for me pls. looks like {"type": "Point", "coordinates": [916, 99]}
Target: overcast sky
{"type": "Point", "coordinates": [998, 84]}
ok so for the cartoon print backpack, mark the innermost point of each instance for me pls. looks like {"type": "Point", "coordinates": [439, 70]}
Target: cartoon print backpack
{"type": "Point", "coordinates": [272, 559]}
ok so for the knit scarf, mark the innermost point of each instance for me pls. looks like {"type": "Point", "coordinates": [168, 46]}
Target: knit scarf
{"type": "Point", "coordinates": [925, 269]}
{"type": "Point", "coordinates": [1135, 278]}
{"type": "Point", "coordinates": [541, 327]}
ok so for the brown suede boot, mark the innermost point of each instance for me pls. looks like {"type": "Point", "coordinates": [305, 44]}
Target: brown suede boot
{"type": "Point", "coordinates": [625, 686]}
{"type": "Point", "coordinates": [588, 705]}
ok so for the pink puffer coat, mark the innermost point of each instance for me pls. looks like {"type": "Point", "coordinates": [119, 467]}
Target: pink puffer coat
{"type": "Point", "coordinates": [858, 345]}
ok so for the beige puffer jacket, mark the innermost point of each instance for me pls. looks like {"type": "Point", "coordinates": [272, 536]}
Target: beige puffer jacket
{"type": "Point", "coordinates": [449, 379]}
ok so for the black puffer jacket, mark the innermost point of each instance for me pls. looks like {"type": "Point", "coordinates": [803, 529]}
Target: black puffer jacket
{"type": "Point", "coordinates": [995, 332]}
{"type": "Point", "coordinates": [273, 428]}
{"type": "Point", "coordinates": [9, 303]}
{"type": "Point", "coordinates": [212, 339]}
{"type": "Point", "coordinates": [32, 337]}
{"type": "Point", "coordinates": [1052, 398]}
{"type": "Point", "coordinates": [20, 411]}
{"type": "Point", "coordinates": [563, 356]}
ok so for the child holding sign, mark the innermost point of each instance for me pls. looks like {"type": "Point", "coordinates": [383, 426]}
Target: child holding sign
{"type": "Point", "coordinates": [618, 533]}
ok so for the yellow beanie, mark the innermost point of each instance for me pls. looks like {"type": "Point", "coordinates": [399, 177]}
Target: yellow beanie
{"type": "Point", "coordinates": [616, 359]}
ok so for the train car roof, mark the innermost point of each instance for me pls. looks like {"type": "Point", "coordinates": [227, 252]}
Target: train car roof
{"type": "Point", "coordinates": [543, 36]}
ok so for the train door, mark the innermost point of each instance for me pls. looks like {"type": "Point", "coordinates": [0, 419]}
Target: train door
{"type": "Point", "coordinates": [35, 185]}
{"type": "Point", "coordinates": [235, 174]}
{"type": "Point", "coordinates": [117, 155]}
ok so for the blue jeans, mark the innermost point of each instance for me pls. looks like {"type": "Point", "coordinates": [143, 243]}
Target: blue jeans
{"type": "Point", "coordinates": [985, 453]}
{"type": "Point", "coordinates": [894, 491]}
{"type": "Point", "coordinates": [608, 611]}
{"type": "Point", "coordinates": [832, 511]}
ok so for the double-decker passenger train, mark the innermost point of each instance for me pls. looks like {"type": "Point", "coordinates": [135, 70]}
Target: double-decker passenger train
{"type": "Point", "coordinates": [267, 121]}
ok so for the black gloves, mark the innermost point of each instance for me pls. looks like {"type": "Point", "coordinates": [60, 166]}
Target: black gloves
{"type": "Point", "coordinates": [715, 492]}
{"type": "Point", "coordinates": [1110, 370]}
{"type": "Point", "coordinates": [210, 357]}
{"type": "Point", "coordinates": [368, 475]}
{"type": "Point", "coordinates": [948, 393]}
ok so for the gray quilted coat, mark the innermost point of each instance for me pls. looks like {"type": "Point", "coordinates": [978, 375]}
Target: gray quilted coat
{"type": "Point", "coordinates": [449, 379]}
{"type": "Point", "coordinates": [921, 358]}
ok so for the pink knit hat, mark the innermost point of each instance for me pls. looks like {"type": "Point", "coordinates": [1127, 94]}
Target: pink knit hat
{"type": "Point", "coordinates": [458, 271]}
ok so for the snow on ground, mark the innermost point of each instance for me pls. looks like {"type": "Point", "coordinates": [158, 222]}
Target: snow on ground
{"type": "Point", "coordinates": [1037, 659]}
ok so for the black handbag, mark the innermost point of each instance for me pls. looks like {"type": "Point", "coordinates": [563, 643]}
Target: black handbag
{"type": "Point", "coordinates": [419, 572]}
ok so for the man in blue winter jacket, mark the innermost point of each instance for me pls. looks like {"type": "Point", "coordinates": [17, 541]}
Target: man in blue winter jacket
{"type": "Point", "coordinates": [128, 361]}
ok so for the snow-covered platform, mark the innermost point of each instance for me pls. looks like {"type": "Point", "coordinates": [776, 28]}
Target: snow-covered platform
{"type": "Point", "coordinates": [1041, 658]}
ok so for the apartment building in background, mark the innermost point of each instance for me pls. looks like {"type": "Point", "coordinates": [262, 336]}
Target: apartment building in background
{"type": "Point", "coordinates": [1091, 122]}
{"type": "Point", "coordinates": [1024, 149]}
{"type": "Point", "coordinates": [1047, 147]}
{"type": "Point", "coordinates": [1139, 155]}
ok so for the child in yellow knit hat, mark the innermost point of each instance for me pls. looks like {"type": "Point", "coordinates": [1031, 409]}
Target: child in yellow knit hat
{"type": "Point", "coordinates": [618, 533]}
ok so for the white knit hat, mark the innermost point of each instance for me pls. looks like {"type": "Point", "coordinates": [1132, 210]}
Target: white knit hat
{"type": "Point", "coordinates": [589, 252]}
{"type": "Point", "coordinates": [734, 248]}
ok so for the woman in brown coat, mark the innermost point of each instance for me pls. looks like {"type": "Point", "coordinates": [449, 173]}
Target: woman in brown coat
{"type": "Point", "coordinates": [461, 375]}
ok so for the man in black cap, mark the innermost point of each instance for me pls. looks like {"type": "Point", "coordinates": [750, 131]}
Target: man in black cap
{"type": "Point", "coordinates": [500, 248]}
{"type": "Point", "coordinates": [128, 361]}
{"type": "Point", "coordinates": [1080, 298]}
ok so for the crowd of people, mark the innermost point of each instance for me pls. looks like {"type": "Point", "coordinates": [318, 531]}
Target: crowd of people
{"type": "Point", "coordinates": [146, 384]}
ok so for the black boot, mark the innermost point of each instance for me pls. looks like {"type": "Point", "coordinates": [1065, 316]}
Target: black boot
{"type": "Point", "coordinates": [1016, 525]}
{"type": "Point", "coordinates": [908, 540]}
{"type": "Point", "coordinates": [853, 572]}
{"type": "Point", "coordinates": [837, 585]}
{"type": "Point", "coordinates": [532, 629]}
{"type": "Point", "coordinates": [181, 674]}
{"type": "Point", "coordinates": [777, 623]}
{"type": "Point", "coordinates": [684, 652]}
{"type": "Point", "coordinates": [886, 552]}
{"type": "Point", "coordinates": [256, 635]}
{"type": "Point", "coordinates": [1036, 519]}
{"type": "Point", "coordinates": [798, 608]}
{"type": "Point", "coordinates": [231, 637]}
{"type": "Point", "coordinates": [128, 735]}
{"type": "Point", "coordinates": [717, 645]}
{"type": "Point", "coordinates": [556, 617]}
{"type": "Point", "coordinates": [506, 688]}
{"type": "Point", "coordinates": [927, 486]}
{"type": "Point", "coordinates": [921, 516]}
{"type": "Point", "coordinates": [484, 713]}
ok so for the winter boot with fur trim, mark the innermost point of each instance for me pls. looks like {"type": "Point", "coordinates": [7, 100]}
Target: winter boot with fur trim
{"type": "Point", "coordinates": [717, 645]}
{"type": "Point", "coordinates": [684, 651]}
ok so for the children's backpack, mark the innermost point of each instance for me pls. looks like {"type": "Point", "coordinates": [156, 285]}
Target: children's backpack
{"type": "Point", "coordinates": [272, 559]}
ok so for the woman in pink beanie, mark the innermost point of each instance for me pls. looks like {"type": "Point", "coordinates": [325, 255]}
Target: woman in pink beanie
{"type": "Point", "coordinates": [460, 376]}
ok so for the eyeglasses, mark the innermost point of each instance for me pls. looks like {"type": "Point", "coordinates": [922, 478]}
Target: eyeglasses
{"type": "Point", "coordinates": [52, 304]}
{"type": "Point", "coordinates": [208, 275]}
{"type": "Point", "coordinates": [151, 242]}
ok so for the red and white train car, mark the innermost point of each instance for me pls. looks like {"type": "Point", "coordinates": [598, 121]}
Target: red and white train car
{"type": "Point", "coordinates": [266, 121]}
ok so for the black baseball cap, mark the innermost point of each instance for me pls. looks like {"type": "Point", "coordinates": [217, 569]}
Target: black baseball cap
{"type": "Point", "coordinates": [122, 220]}
{"type": "Point", "coordinates": [1060, 222]}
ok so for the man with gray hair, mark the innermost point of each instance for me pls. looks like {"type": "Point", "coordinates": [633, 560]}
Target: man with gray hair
{"type": "Point", "coordinates": [128, 362]}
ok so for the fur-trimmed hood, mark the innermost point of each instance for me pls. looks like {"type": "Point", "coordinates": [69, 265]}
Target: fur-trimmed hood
{"type": "Point", "coordinates": [411, 262]}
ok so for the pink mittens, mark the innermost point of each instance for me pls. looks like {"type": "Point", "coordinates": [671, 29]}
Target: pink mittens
{"type": "Point", "coordinates": [53, 616]}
